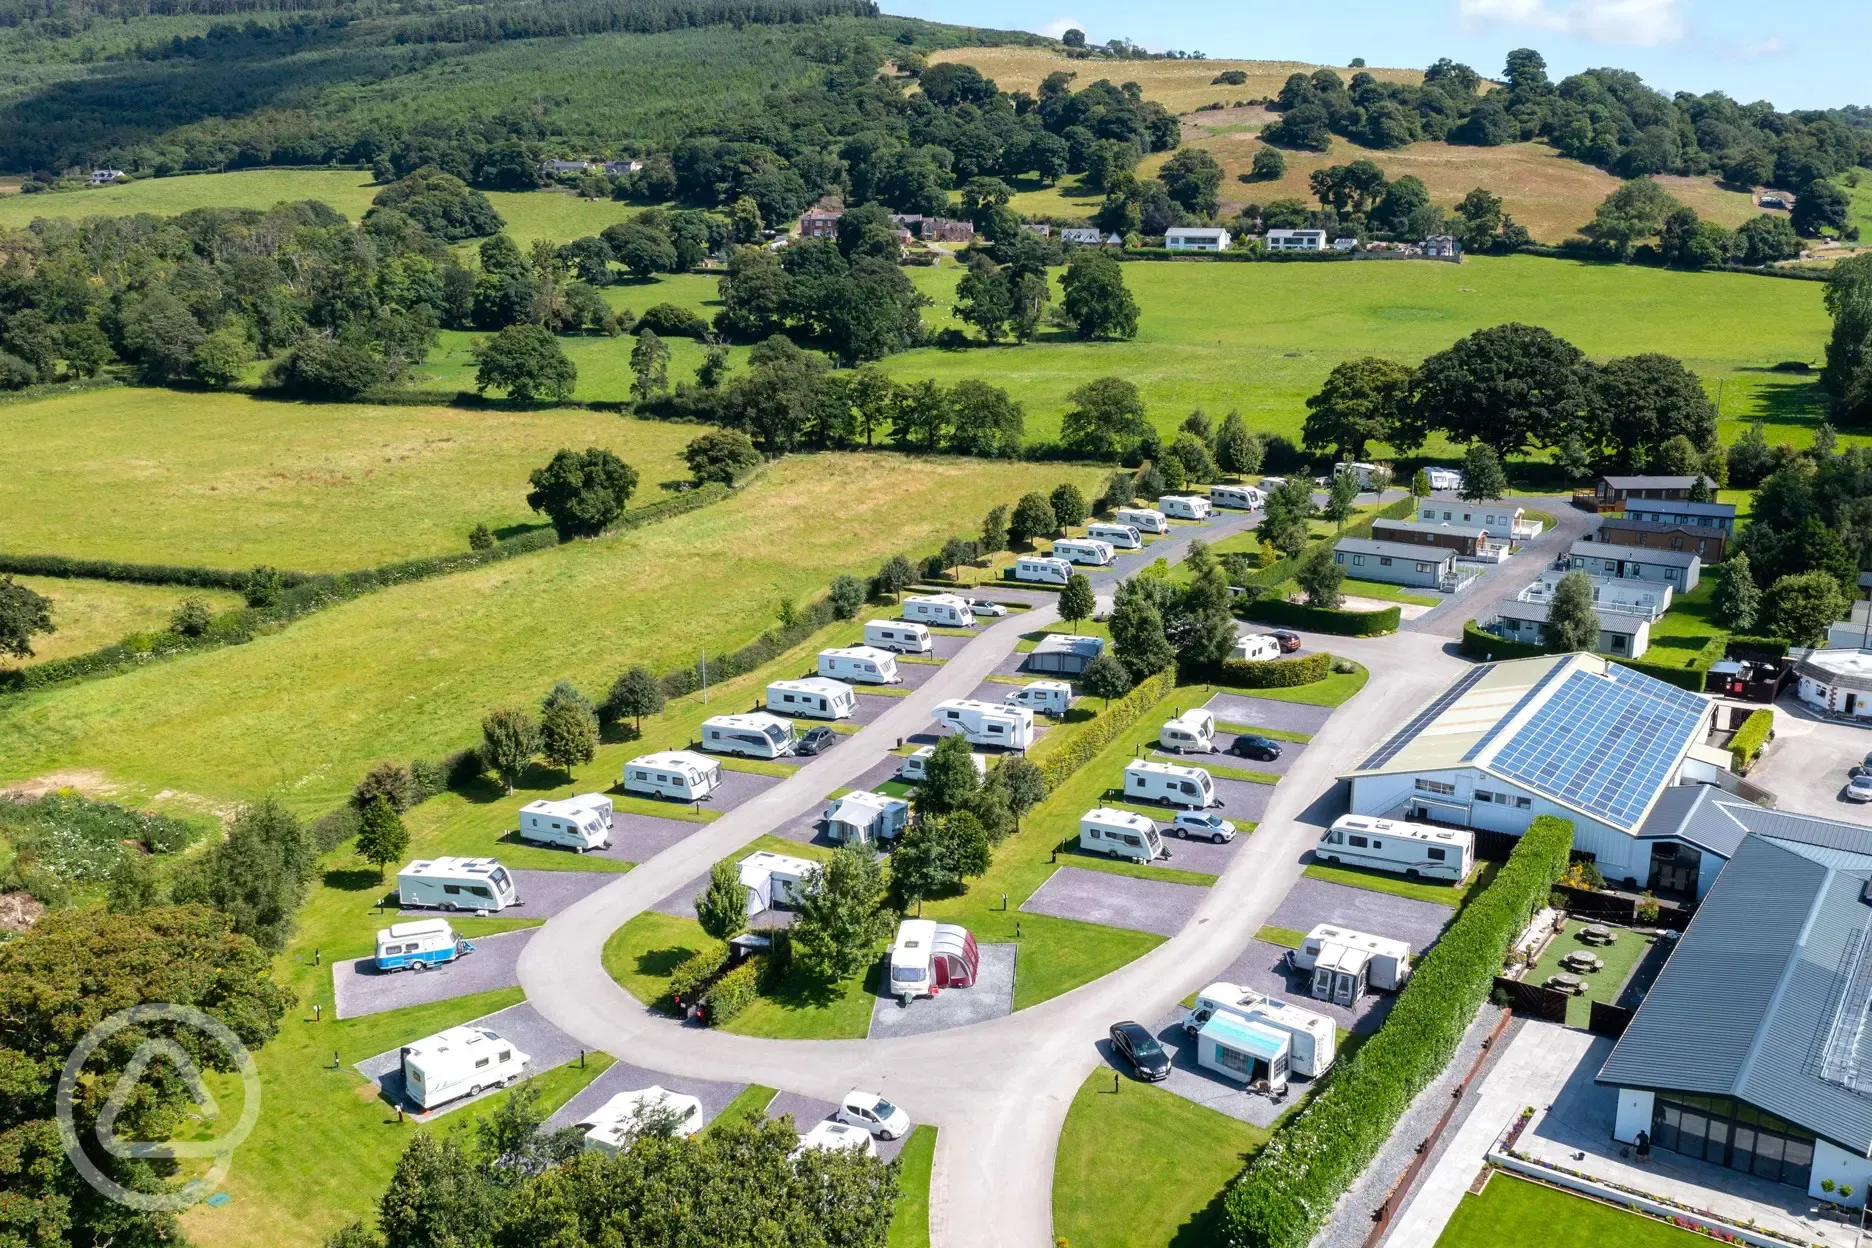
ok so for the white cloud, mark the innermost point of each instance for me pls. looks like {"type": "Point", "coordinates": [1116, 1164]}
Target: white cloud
{"type": "Point", "coordinates": [1640, 23]}
{"type": "Point", "coordinates": [1060, 25]}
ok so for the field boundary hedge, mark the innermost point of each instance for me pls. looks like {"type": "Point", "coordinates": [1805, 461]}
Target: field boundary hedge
{"type": "Point", "coordinates": [1104, 730]}
{"type": "Point", "coordinates": [1486, 647]}
{"type": "Point", "coordinates": [1334, 620]}
{"type": "Point", "coordinates": [1290, 1187]}
{"type": "Point", "coordinates": [1277, 673]}
{"type": "Point", "coordinates": [1746, 746]}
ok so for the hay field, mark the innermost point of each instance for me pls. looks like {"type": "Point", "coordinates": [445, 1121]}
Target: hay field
{"type": "Point", "coordinates": [90, 614]}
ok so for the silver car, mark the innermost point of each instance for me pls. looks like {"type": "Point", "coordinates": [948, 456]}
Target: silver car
{"type": "Point", "coordinates": [981, 606]}
{"type": "Point", "coordinates": [1859, 789]}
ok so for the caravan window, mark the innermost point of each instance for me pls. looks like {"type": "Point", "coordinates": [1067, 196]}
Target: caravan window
{"type": "Point", "coordinates": [499, 876]}
{"type": "Point", "coordinates": [997, 728]}
{"type": "Point", "coordinates": [1376, 843]}
{"type": "Point", "coordinates": [450, 889]}
{"type": "Point", "coordinates": [1335, 838]}
{"type": "Point", "coordinates": [1133, 841]}
{"type": "Point", "coordinates": [475, 890]}
{"type": "Point", "coordinates": [1187, 787]}
{"type": "Point", "coordinates": [1092, 834]}
{"type": "Point", "coordinates": [1235, 1061]}
{"type": "Point", "coordinates": [774, 733]}
{"type": "Point", "coordinates": [1358, 842]}
{"type": "Point", "coordinates": [483, 1062]}
{"type": "Point", "coordinates": [1437, 855]}
{"type": "Point", "coordinates": [1384, 561]}
{"type": "Point", "coordinates": [506, 1055]}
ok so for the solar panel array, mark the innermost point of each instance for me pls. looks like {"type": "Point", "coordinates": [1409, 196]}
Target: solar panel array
{"type": "Point", "coordinates": [1604, 745]}
{"type": "Point", "coordinates": [1405, 735]}
{"type": "Point", "coordinates": [1533, 692]}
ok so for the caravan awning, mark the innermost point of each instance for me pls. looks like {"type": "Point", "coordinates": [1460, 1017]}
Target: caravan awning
{"type": "Point", "coordinates": [1258, 1040]}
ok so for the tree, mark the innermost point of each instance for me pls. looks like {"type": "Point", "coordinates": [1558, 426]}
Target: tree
{"type": "Point", "coordinates": [1822, 206]}
{"type": "Point", "coordinates": [437, 1198]}
{"type": "Point", "coordinates": [985, 298]}
{"type": "Point", "coordinates": [644, 249]}
{"type": "Point", "coordinates": [510, 737]}
{"type": "Point", "coordinates": [1482, 475]}
{"type": "Point", "coordinates": [1284, 522]}
{"type": "Point", "coordinates": [1106, 418]}
{"type": "Point", "coordinates": [1021, 782]}
{"type": "Point", "coordinates": [1800, 607]}
{"type": "Point", "coordinates": [649, 361]}
{"type": "Point", "coordinates": [956, 551]}
{"type": "Point", "coordinates": [1509, 386]}
{"type": "Point", "coordinates": [223, 357]}
{"type": "Point", "coordinates": [1572, 623]}
{"type": "Point", "coordinates": [985, 420]}
{"type": "Point", "coordinates": [723, 455]}
{"type": "Point", "coordinates": [1341, 499]}
{"type": "Point", "coordinates": [1076, 601]}
{"type": "Point", "coordinates": [568, 736]}
{"type": "Point", "coordinates": [895, 575]}
{"type": "Point", "coordinates": [191, 618]}
{"type": "Point", "coordinates": [1193, 179]}
{"type": "Point", "coordinates": [1644, 401]}
{"type": "Point", "coordinates": [1635, 211]}
{"type": "Point", "coordinates": [1269, 165]}
{"type": "Point", "coordinates": [1205, 633]}
{"type": "Point", "coordinates": [841, 919]}
{"type": "Point", "coordinates": [526, 362]}
{"type": "Point", "coordinates": [393, 782]}
{"type": "Point", "coordinates": [936, 854]}
{"type": "Point", "coordinates": [1095, 298]}
{"type": "Point", "coordinates": [1319, 577]}
{"type": "Point", "coordinates": [721, 907]}
{"type": "Point", "coordinates": [1139, 637]}
{"type": "Point", "coordinates": [1847, 377]}
{"type": "Point", "coordinates": [1676, 457]}
{"type": "Point", "coordinates": [847, 596]}
{"type": "Point", "coordinates": [382, 838]}
{"type": "Point", "coordinates": [1750, 459]}
{"type": "Point", "coordinates": [1237, 451]}
{"type": "Point", "coordinates": [1191, 451]}
{"type": "Point", "coordinates": [1069, 505]}
{"type": "Point", "coordinates": [1361, 401]}
{"type": "Point", "coordinates": [257, 875]}
{"type": "Point", "coordinates": [1106, 677]}
{"type": "Point", "coordinates": [949, 778]}
{"type": "Point", "coordinates": [1420, 484]}
{"type": "Point", "coordinates": [635, 694]}
{"type": "Point", "coordinates": [1033, 518]}
{"type": "Point", "coordinates": [994, 532]}
{"type": "Point", "coordinates": [582, 492]}
{"type": "Point", "coordinates": [1736, 601]}
{"type": "Point", "coordinates": [23, 613]}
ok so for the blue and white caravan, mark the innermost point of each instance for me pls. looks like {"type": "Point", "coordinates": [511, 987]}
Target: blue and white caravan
{"type": "Point", "coordinates": [419, 945]}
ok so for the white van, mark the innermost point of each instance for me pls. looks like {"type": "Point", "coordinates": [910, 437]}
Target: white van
{"type": "Point", "coordinates": [1255, 648]}
{"type": "Point", "coordinates": [1192, 732]}
{"type": "Point", "coordinates": [947, 610]}
{"type": "Point", "coordinates": [862, 664]}
{"type": "Point", "coordinates": [612, 1127]}
{"type": "Point", "coordinates": [1120, 834]}
{"type": "Point", "coordinates": [1042, 570]}
{"type": "Point", "coordinates": [1239, 497]}
{"type": "Point", "coordinates": [1169, 784]}
{"type": "Point", "coordinates": [815, 696]}
{"type": "Point", "coordinates": [1117, 536]}
{"type": "Point", "coordinates": [462, 1061]}
{"type": "Point", "coordinates": [898, 636]}
{"type": "Point", "coordinates": [456, 884]}
{"type": "Point", "coordinates": [681, 774]}
{"type": "Point", "coordinates": [419, 945]}
{"type": "Point", "coordinates": [1049, 697]}
{"type": "Point", "coordinates": [916, 766]}
{"type": "Point", "coordinates": [985, 723]}
{"type": "Point", "coordinates": [1414, 849]}
{"type": "Point", "coordinates": [756, 735]}
{"type": "Point", "coordinates": [1143, 519]}
{"type": "Point", "coordinates": [1083, 550]}
{"type": "Point", "coordinates": [1184, 506]}
{"type": "Point", "coordinates": [577, 823]}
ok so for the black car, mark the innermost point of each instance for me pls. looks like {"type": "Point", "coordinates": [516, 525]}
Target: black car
{"type": "Point", "coordinates": [815, 741]}
{"type": "Point", "coordinates": [1248, 745]}
{"type": "Point", "coordinates": [1134, 1043]}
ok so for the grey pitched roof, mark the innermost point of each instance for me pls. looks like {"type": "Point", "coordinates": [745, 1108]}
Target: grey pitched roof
{"type": "Point", "coordinates": [1392, 550]}
{"type": "Point", "coordinates": [1682, 507]}
{"type": "Point", "coordinates": [1635, 554]}
{"type": "Point", "coordinates": [1660, 526]}
{"type": "Point", "coordinates": [1653, 483]}
{"type": "Point", "coordinates": [1695, 814]}
{"type": "Point", "coordinates": [1430, 526]}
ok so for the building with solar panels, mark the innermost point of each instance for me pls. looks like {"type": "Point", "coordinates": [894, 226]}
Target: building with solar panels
{"type": "Point", "coordinates": [1573, 735]}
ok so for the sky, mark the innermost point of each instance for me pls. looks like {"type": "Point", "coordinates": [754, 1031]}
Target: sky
{"type": "Point", "coordinates": [1815, 55]}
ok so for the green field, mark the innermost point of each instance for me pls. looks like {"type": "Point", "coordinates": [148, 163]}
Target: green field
{"type": "Point", "coordinates": [1511, 1213]}
{"type": "Point", "coordinates": [1678, 637]}
{"type": "Point", "coordinates": [89, 614]}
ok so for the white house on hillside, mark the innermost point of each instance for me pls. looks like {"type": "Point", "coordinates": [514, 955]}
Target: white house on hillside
{"type": "Point", "coordinates": [1196, 238]}
{"type": "Point", "coordinates": [1296, 240]}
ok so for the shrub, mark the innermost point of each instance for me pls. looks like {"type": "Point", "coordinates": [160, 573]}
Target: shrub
{"type": "Point", "coordinates": [1749, 739]}
{"type": "Point", "coordinates": [1276, 673]}
{"type": "Point", "coordinates": [1102, 731]}
{"type": "Point", "coordinates": [335, 827]}
{"type": "Point", "coordinates": [390, 781]}
{"type": "Point", "coordinates": [666, 320]}
{"type": "Point", "coordinates": [733, 992]}
{"type": "Point", "coordinates": [692, 977]}
{"type": "Point", "coordinates": [1482, 646]}
{"type": "Point", "coordinates": [1332, 620]}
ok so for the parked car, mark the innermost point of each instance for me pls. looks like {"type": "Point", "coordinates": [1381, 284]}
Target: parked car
{"type": "Point", "coordinates": [816, 741]}
{"type": "Point", "coordinates": [1859, 789]}
{"type": "Point", "coordinates": [1857, 770]}
{"type": "Point", "coordinates": [1201, 825]}
{"type": "Point", "coordinates": [981, 606]}
{"type": "Point", "coordinates": [1289, 641]}
{"type": "Point", "coordinates": [1134, 1042]}
{"type": "Point", "coordinates": [873, 1113]}
{"type": "Point", "coordinates": [1253, 745]}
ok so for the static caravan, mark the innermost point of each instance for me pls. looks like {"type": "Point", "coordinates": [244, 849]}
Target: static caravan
{"type": "Point", "coordinates": [577, 823]}
{"type": "Point", "coordinates": [1313, 1037]}
{"type": "Point", "coordinates": [680, 774]}
{"type": "Point", "coordinates": [1245, 1050]}
{"type": "Point", "coordinates": [945, 609]}
{"type": "Point", "coordinates": [774, 880]}
{"type": "Point", "coordinates": [756, 735]}
{"type": "Point", "coordinates": [1120, 834]}
{"type": "Point", "coordinates": [1184, 506]}
{"type": "Point", "coordinates": [1083, 550]}
{"type": "Point", "coordinates": [462, 1061]}
{"type": "Point", "coordinates": [1238, 497]}
{"type": "Point", "coordinates": [985, 723]}
{"type": "Point", "coordinates": [928, 956]}
{"type": "Point", "coordinates": [1192, 732]}
{"type": "Point", "coordinates": [1255, 648]}
{"type": "Point", "coordinates": [1143, 519]}
{"type": "Point", "coordinates": [418, 946]}
{"type": "Point", "coordinates": [1169, 784]}
{"type": "Point", "coordinates": [1049, 697]}
{"type": "Point", "coordinates": [1041, 570]}
{"type": "Point", "coordinates": [898, 636]}
{"type": "Point", "coordinates": [456, 884]}
{"type": "Point", "coordinates": [612, 1127]}
{"type": "Point", "coordinates": [1117, 536]}
{"type": "Point", "coordinates": [866, 818]}
{"type": "Point", "coordinates": [1414, 849]}
{"type": "Point", "coordinates": [1344, 963]}
{"type": "Point", "coordinates": [862, 664]}
{"type": "Point", "coordinates": [815, 697]}
{"type": "Point", "coordinates": [916, 766]}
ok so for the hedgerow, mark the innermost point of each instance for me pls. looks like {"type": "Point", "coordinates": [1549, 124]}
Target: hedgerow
{"type": "Point", "coordinates": [692, 976]}
{"type": "Point", "coordinates": [1276, 673]}
{"type": "Point", "coordinates": [1101, 732]}
{"type": "Point", "coordinates": [1749, 739]}
{"type": "Point", "coordinates": [733, 992]}
{"type": "Point", "coordinates": [1331, 620]}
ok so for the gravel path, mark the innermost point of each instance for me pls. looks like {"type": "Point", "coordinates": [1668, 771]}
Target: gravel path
{"type": "Point", "coordinates": [359, 988]}
{"type": "Point", "coordinates": [990, 996]}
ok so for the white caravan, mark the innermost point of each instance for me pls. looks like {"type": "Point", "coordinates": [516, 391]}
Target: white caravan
{"type": "Point", "coordinates": [1270, 484]}
{"type": "Point", "coordinates": [1169, 784]}
{"type": "Point", "coordinates": [612, 1127]}
{"type": "Point", "coordinates": [1192, 732]}
{"type": "Point", "coordinates": [681, 774]}
{"type": "Point", "coordinates": [756, 735]}
{"type": "Point", "coordinates": [1143, 519]}
{"type": "Point", "coordinates": [1314, 1036]}
{"type": "Point", "coordinates": [1239, 497]}
{"type": "Point", "coordinates": [1083, 550]}
{"type": "Point", "coordinates": [577, 823]}
{"type": "Point", "coordinates": [916, 766]}
{"type": "Point", "coordinates": [928, 956]}
{"type": "Point", "coordinates": [898, 636]}
{"type": "Point", "coordinates": [1117, 536]}
{"type": "Point", "coordinates": [1255, 648]}
{"type": "Point", "coordinates": [985, 723]}
{"type": "Point", "coordinates": [863, 664]}
{"type": "Point", "coordinates": [462, 1061]}
{"type": "Point", "coordinates": [1184, 506]}
{"type": "Point", "coordinates": [831, 1137]}
{"type": "Point", "coordinates": [1444, 479]}
{"type": "Point", "coordinates": [456, 884]}
{"type": "Point", "coordinates": [816, 697]}
{"type": "Point", "coordinates": [1041, 570]}
{"type": "Point", "coordinates": [1049, 697]}
{"type": "Point", "coordinates": [774, 880]}
{"type": "Point", "coordinates": [1120, 834]}
{"type": "Point", "coordinates": [945, 609]}
{"type": "Point", "coordinates": [865, 818]}
{"type": "Point", "coordinates": [1363, 472]}
{"type": "Point", "coordinates": [1415, 849]}
{"type": "Point", "coordinates": [1344, 963]}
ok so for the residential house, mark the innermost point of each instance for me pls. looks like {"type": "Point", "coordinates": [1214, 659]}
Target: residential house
{"type": "Point", "coordinates": [1345, 244]}
{"type": "Point", "coordinates": [1441, 247]}
{"type": "Point", "coordinates": [1837, 682]}
{"type": "Point", "coordinates": [1082, 236]}
{"type": "Point", "coordinates": [820, 222]}
{"type": "Point", "coordinates": [1064, 654]}
{"type": "Point", "coordinates": [1296, 240]}
{"type": "Point", "coordinates": [1464, 539]}
{"type": "Point", "coordinates": [618, 168]}
{"type": "Point", "coordinates": [1621, 636]}
{"type": "Point", "coordinates": [556, 167]}
{"type": "Point", "coordinates": [947, 230]}
{"type": "Point", "coordinates": [1613, 493]}
{"type": "Point", "coordinates": [104, 177]}
{"type": "Point", "coordinates": [1680, 569]}
{"type": "Point", "coordinates": [1395, 563]}
{"type": "Point", "coordinates": [1709, 543]}
{"type": "Point", "coordinates": [1196, 238]}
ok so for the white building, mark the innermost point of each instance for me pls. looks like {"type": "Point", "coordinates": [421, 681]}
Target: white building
{"type": "Point", "coordinates": [1838, 682]}
{"type": "Point", "coordinates": [1680, 569]}
{"type": "Point", "coordinates": [1296, 240]}
{"type": "Point", "coordinates": [1196, 238]}
{"type": "Point", "coordinates": [1502, 520]}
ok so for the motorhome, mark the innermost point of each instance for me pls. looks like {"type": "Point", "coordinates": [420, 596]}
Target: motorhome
{"type": "Point", "coordinates": [1255, 648]}
{"type": "Point", "coordinates": [861, 664]}
{"type": "Point", "coordinates": [1041, 570]}
{"type": "Point", "coordinates": [576, 823]}
{"type": "Point", "coordinates": [1120, 834]}
{"type": "Point", "coordinates": [816, 697]}
{"type": "Point", "coordinates": [1143, 519]}
{"type": "Point", "coordinates": [1083, 550]}
{"type": "Point", "coordinates": [865, 818]}
{"type": "Point", "coordinates": [1117, 536]}
{"type": "Point", "coordinates": [456, 884]}
{"type": "Point", "coordinates": [945, 609]}
{"type": "Point", "coordinates": [1169, 784]}
{"type": "Point", "coordinates": [612, 1128]}
{"type": "Point", "coordinates": [1412, 849]}
{"type": "Point", "coordinates": [755, 735]}
{"type": "Point", "coordinates": [985, 723]}
{"type": "Point", "coordinates": [1184, 506]}
{"type": "Point", "coordinates": [1192, 732]}
{"type": "Point", "coordinates": [419, 945]}
{"type": "Point", "coordinates": [916, 766]}
{"type": "Point", "coordinates": [1049, 697]}
{"type": "Point", "coordinates": [1364, 473]}
{"type": "Point", "coordinates": [680, 774]}
{"type": "Point", "coordinates": [1238, 497]}
{"type": "Point", "coordinates": [1344, 963]}
{"type": "Point", "coordinates": [928, 956]}
{"type": "Point", "coordinates": [774, 881]}
{"type": "Point", "coordinates": [1314, 1037]}
{"type": "Point", "coordinates": [898, 636]}
{"type": "Point", "coordinates": [462, 1061]}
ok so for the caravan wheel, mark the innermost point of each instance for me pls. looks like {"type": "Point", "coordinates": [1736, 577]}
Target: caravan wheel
{"type": "Point", "coordinates": [1333, 858]}
{"type": "Point", "coordinates": [474, 1089]}
{"type": "Point", "coordinates": [418, 966]}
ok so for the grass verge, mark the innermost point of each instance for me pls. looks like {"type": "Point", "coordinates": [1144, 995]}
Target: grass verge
{"type": "Point", "coordinates": [910, 1224]}
{"type": "Point", "coordinates": [1452, 895]}
{"type": "Point", "coordinates": [1513, 1213]}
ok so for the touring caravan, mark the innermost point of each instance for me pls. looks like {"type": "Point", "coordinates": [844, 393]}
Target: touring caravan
{"type": "Point", "coordinates": [774, 880]}
{"type": "Point", "coordinates": [861, 664]}
{"type": "Point", "coordinates": [1120, 834]}
{"type": "Point", "coordinates": [985, 723]}
{"type": "Point", "coordinates": [1414, 849]}
{"type": "Point", "coordinates": [1344, 963]}
{"type": "Point", "coordinates": [419, 945]}
{"type": "Point", "coordinates": [577, 823]}
{"type": "Point", "coordinates": [680, 774]}
{"type": "Point", "coordinates": [1049, 697]}
{"type": "Point", "coordinates": [1117, 536]}
{"type": "Point", "coordinates": [756, 735]}
{"type": "Point", "coordinates": [1083, 550]}
{"type": "Point", "coordinates": [612, 1127]}
{"type": "Point", "coordinates": [945, 609]}
{"type": "Point", "coordinates": [1255, 648]}
{"type": "Point", "coordinates": [815, 697]}
{"type": "Point", "coordinates": [898, 636]}
{"type": "Point", "coordinates": [1444, 479]}
{"type": "Point", "coordinates": [1364, 473]}
{"type": "Point", "coordinates": [1041, 570]}
{"type": "Point", "coordinates": [1169, 784]}
{"type": "Point", "coordinates": [1184, 506]}
{"type": "Point", "coordinates": [1270, 484]}
{"type": "Point", "coordinates": [1192, 732]}
{"type": "Point", "coordinates": [1313, 1037]}
{"type": "Point", "coordinates": [1238, 497]}
{"type": "Point", "coordinates": [1143, 519]}
{"type": "Point", "coordinates": [916, 766]}
{"type": "Point", "coordinates": [865, 818]}
{"type": "Point", "coordinates": [928, 956]}
{"type": "Point", "coordinates": [456, 884]}
{"type": "Point", "coordinates": [462, 1061]}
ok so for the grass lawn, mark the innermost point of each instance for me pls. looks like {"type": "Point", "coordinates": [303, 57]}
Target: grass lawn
{"type": "Point", "coordinates": [1679, 637]}
{"type": "Point", "coordinates": [1333, 691]}
{"type": "Point", "coordinates": [910, 1224]}
{"type": "Point", "coordinates": [89, 614]}
{"type": "Point", "coordinates": [1285, 937]}
{"type": "Point", "coordinates": [1354, 588]}
{"type": "Point", "coordinates": [1180, 1156]}
{"type": "Point", "coordinates": [751, 1103]}
{"type": "Point", "coordinates": [1513, 1213]}
{"type": "Point", "coordinates": [1400, 886]}
{"type": "Point", "coordinates": [1621, 957]}
{"type": "Point", "coordinates": [1277, 734]}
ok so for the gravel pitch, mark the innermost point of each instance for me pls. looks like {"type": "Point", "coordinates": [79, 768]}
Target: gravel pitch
{"type": "Point", "coordinates": [639, 838]}
{"type": "Point", "coordinates": [913, 674]}
{"type": "Point", "coordinates": [1202, 856]}
{"type": "Point", "coordinates": [359, 988]}
{"type": "Point", "coordinates": [737, 787]}
{"type": "Point", "coordinates": [808, 1113]}
{"type": "Point", "coordinates": [990, 996]}
{"type": "Point", "coordinates": [1116, 900]}
{"type": "Point", "coordinates": [623, 1077]}
{"type": "Point", "coordinates": [546, 1047]}
{"type": "Point", "coordinates": [1313, 902]}
{"type": "Point", "coordinates": [1290, 754]}
{"type": "Point", "coordinates": [1263, 967]}
{"type": "Point", "coordinates": [1233, 708]}
{"type": "Point", "coordinates": [1242, 799]}
{"type": "Point", "coordinates": [1205, 1087]}
{"type": "Point", "coordinates": [948, 645]}
{"type": "Point", "coordinates": [542, 893]}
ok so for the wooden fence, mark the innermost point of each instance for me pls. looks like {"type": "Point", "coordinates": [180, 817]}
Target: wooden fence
{"type": "Point", "coordinates": [1535, 999]}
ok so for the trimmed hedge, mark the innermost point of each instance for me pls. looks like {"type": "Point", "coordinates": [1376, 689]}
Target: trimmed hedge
{"type": "Point", "coordinates": [1485, 647]}
{"type": "Point", "coordinates": [695, 974]}
{"type": "Point", "coordinates": [1333, 620]}
{"type": "Point", "coordinates": [763, 650]}
{"type": "Point", "coordinates": [1291, 1186]}
{"type": "Point", "coordinates": [1694, 676]}
{"type": "Point", "coordinates": [733, 992]}
{"type": "Point", "coordinates": [1277, 673]}
{"type": "Point", "coordinates": [1746, 746]}
{"type": "Point", "coordinates": [1101, 732]}
{"type": "Point", "coordinates": [1747, 645]}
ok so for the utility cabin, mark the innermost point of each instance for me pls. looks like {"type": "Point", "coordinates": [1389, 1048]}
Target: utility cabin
{"type": "Point", "coordinates": [418, 946]}
{"type": "Point", "coordinates": [757, 735]}
{"type": "Point", "coordinates": [576, 823]}
{"type": "Point", "coordinates": [1345, 963]}
{"type": "Point", "coordinates": [679, 775]}
{"type": "Point", "coordinates": [1503, 521]}
{"type": "Point", "coordinates": [1680, 569]}
{"type": "Point", "coordinates": [479, 884]}
{"type": "Point", "coordinates": [985, 723]}
{"type": "Point", "coordinates": [1065, 654]}
{"type": "Point", "coordinates": [1417, 850]}
{"type": "Point", "coordinates": [898, 636]}
{"type": "Point", "coordinates": [774, 881]}
{"type": "Point", "coordinates": [462, 1061]}
{"type": "Point", "coordinates": [1708, 543]}
{"type": "Point", "coordinates": [867, 819]}
{"type": "Point", "coordinates": [928, 956]}
{"type": "Point", "coordinates": [816, 697]}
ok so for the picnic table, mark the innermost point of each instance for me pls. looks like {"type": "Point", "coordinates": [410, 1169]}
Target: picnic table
{"type": "Point", "coordinates": [1597, 934]}
{"type": "Point", "coordinates": [1566, 983]}
{"type": "Point", "coordinates": [1581, 960]}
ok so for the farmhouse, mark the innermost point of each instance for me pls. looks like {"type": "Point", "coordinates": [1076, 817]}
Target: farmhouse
{"type": "Point", "coordinates": [1296, 240]}
{"type": "Point", "coordinates": [565, 166]}
{"type": "Point", "coordinates": [1838, 682]}
{"type": "Point", "coordinates": [820, 222]}
{"type": "Point", "coordinates": [1680, 569]}
{"type": "Point", "coordinates": [1082, 235]}
{"type": "Point", "coordinates": [1614, 493]}
{"type": "Point", "coordinates": [1396, 563]}
{"type": "Point", "coordinates": [1196, 238]}
{"type": "Point", "coordinates": [1065, 654]}
{"type": "Point", "coordinates": [1464, 539]}
{"type": "Point", "coordinates": [1620, 635]}
{"type": "Point", "coordinates": [1441, 247]}
{"type": "Point", "coordinates": [1709, 544]}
